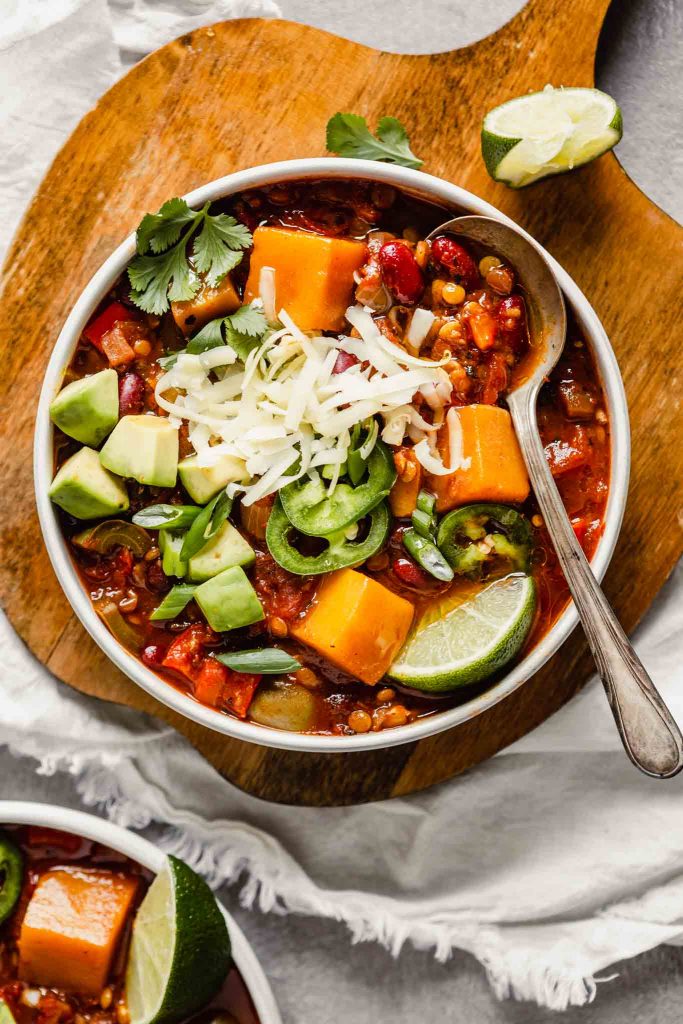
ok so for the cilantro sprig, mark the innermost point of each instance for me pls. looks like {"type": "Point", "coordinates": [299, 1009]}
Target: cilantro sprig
{"type": "Point", "coordinates": [349, 135]}
{"type": "Point", "coordinates": [162, 271]}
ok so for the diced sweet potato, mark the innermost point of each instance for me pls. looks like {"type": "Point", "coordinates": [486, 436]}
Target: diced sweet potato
{"type": "Point", "coordinates": [72, 927]}
{"type": "Point", "coordinates": [313, 275]}
{"type": "Point", "coordinates": [496, 470]}
{"type": "Point", "coordinates": [356, 623]}
{"type": "Point", "coordinates": [208, 304]}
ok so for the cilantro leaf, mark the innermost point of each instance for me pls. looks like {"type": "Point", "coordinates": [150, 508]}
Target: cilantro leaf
{"type": "Point", "coordinates": [349, 135]}
{"type": "Point", "coordinates": [249, 320]}
{"type": "Point", "coordinates": [157, 231]}
{"type": "Point", "coordinates": [161, 272]}
{"type": "Point", "coordinates": [242, 330]}
{"type": "Point", "coordinates": [217, 249]}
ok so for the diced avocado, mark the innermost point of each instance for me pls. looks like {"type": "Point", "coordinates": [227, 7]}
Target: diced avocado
{"type": "Point", "coordinates": [84, 488]}
{"type": "Point", "coordinates": [170, 542]}
{"type": "Point", "coordinates": [87, 409]}
{"type": "Point", "coordinates": [226, 548]}
{"type": "Point", "coordinates": [144, 448]}
{"type": "Point", "coordinates": [229, 600]}
{"type": "Point", "coordinates": [6, 1015]}
{"type": "Point", "coordinates": [203, 482]}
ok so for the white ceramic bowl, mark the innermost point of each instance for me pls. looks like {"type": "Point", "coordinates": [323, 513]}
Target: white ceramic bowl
{"type": "Point", "coordinates": [20, 812]}
{"type": "Point", "coordinates": [430, 188]}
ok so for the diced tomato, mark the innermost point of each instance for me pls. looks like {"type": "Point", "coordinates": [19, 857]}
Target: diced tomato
{"type": "Point", "coordinates": [105, 321]}
{"type": "Point", "coordinates": [39, 835]}
{"type": "Point", "coordinates": [496, 379]}
{"type": "Point", "coordinates": [115, 346]}
{"type": "Point", "coordinates": [282, 594]}
{"type": "Point", "coordinates": [186, 653]}
{"type": "Point", "coordinates": [483, 327]}
{"type": "Point", "coordinates": [219, 687]}
{"type": "Point", "coordinates": [567, 454]}
{"type": "Point", "coordinates": [53, 1010]}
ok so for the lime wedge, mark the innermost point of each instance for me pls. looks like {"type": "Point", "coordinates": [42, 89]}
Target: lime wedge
{"type": "Point", "coordinates": [472, 641]}
{"type": "Point", "coordinates": [548, 132]}
{"type": "Point", "coordinates": [179, 951]}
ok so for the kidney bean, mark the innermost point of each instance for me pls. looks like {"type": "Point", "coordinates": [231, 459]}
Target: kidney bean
{"type": "Point", "coordinates": [512, 322]}
{"type": "Point", "coordinates": [400, 272]}
{"type": "Point", "coordinates": [344, 361]}
{"type": "Point", "coordinates": [153, 655]}
{"type": "Point", "coordinates": [131, 394]}
{"type": "Point", "coordinates": [449, 254]}
{"type": "Point", "coordinates": [408, 572]}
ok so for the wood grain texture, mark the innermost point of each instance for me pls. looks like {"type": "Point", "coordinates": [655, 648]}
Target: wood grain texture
{"type": "Point", "coordinates": [247, 92]}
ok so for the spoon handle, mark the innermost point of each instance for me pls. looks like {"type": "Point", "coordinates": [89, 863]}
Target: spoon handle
{"type": "Point", "coordinates": [650, 736]}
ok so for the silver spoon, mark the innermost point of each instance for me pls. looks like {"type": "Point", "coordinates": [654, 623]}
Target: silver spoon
{"type": "Point", "coordinates": [650, 736]}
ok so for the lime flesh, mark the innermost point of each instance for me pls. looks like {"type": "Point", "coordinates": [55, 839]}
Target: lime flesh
{"type": "Point", "coordinates": [548, 132]}
{"type": "Point", "coordinates": [180, 949]}
{"type": "Point", "coordinates": [472, 641]}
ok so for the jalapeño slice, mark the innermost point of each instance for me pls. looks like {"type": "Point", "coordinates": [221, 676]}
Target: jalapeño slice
{"type": "Point", "coordinates": [340, 551]}
{"type": "Point", "coordinates": [477, 538]}
{"type": "Point", "coordinates": [312, 511]}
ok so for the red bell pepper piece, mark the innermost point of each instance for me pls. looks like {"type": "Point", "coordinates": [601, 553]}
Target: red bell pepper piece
{"type": "Point", "coordinates": [186, 653]}
{"type": "Point", "coordinates": [105, 321]}
{"type": "Point", "coordinates": [40, 835]}
{"type": "Point", "coordinates": [219, 687]}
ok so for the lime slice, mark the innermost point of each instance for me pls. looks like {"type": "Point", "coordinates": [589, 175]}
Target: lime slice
{"type": "Point", "coordinates": [472, 641]}
{"type": "Point", "coordinates": [548, 132]}
{"type": "Point", "coordinates": [179, 951]}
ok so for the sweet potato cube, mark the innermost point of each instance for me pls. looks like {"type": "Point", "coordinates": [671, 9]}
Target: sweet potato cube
{"type": "Point", "coordinates": [356, 623]}
{"type": "Point", "coordinates": [208, 304]}
{"type": "Point", "coordinates": [313, 275]}
{"type": "Point", "coordinates": [72, 927]}
{"type": "Point", "coordinates": [496, 470]}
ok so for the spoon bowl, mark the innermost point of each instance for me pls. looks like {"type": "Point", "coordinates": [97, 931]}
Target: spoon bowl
{"type": "Point", "coordinates": [649, 733]}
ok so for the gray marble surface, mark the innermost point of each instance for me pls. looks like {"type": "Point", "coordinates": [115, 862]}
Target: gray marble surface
{"type": "Point", "coordinates": [317, 977]}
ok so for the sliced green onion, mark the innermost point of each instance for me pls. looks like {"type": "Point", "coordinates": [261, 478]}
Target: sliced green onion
{"type": "Point", "coordinates": [426, 502]}
{"type": "Point", "coordinates": [427, 555]}
{"type": "Point", "coordinates": [166, 517]}
{"type": "Point", "coordinates": [423, 523]}
{"type": "Point", "coordinates": [104, 537]}
{"type": "Point", "coordinates": [268, 661]}
{"type": "Point", "coordinates": [208, 522]}
{"type": "Point", "coordinates": [175, 601]}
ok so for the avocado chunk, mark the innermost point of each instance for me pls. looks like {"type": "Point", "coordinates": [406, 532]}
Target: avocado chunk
{"type": "Point", "coordinates": [229, 600]}
{"type": "Point", "coordinates": [84, 488]}
{"type": "Point", "coordinates": [6, 1015]}
{"type": "Point", "coordinates": [226, 548]}
{"type": "Point", "coordinates": [88, 409]}
{"type": "Point", "coordinates": [144, 448]}
{"type": "Point", "coordinates": [170, 542]}
{"type": "Point", "coordinates": [203, 482]}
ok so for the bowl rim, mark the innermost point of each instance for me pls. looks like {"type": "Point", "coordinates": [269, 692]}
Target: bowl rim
{"type": "Point", "coordinates": [432, 189]}
{"type": "Point", "coordinates": [100, 830]}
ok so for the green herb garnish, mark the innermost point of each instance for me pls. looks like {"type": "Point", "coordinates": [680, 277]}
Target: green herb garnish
{"type": "Point", "coordinates": [162, 272]}
{"type": "Point", "coordinates": [269, 661]}
{"type": "Point", "coordinates": [349, 135]}
{"type": "Point", "coordinates": [166, 517]}
{"type": "Point", "coordinates": [242, 330]}
{"type": "Point", "coordinates": [207, 523]}
{"type": "Point", "coordinates": [174, 602]}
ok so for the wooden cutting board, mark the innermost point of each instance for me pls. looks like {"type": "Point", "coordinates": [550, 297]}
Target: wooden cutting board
{"type": "Point", "coordinates": [246, 92]}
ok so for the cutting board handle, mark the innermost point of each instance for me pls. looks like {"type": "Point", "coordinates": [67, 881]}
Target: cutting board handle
{"type": "Point", "coordinates": [559, 34]}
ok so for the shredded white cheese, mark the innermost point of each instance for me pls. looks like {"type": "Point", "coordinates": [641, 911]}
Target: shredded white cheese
{"type": "Point", "coordinates": [285, 413]}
